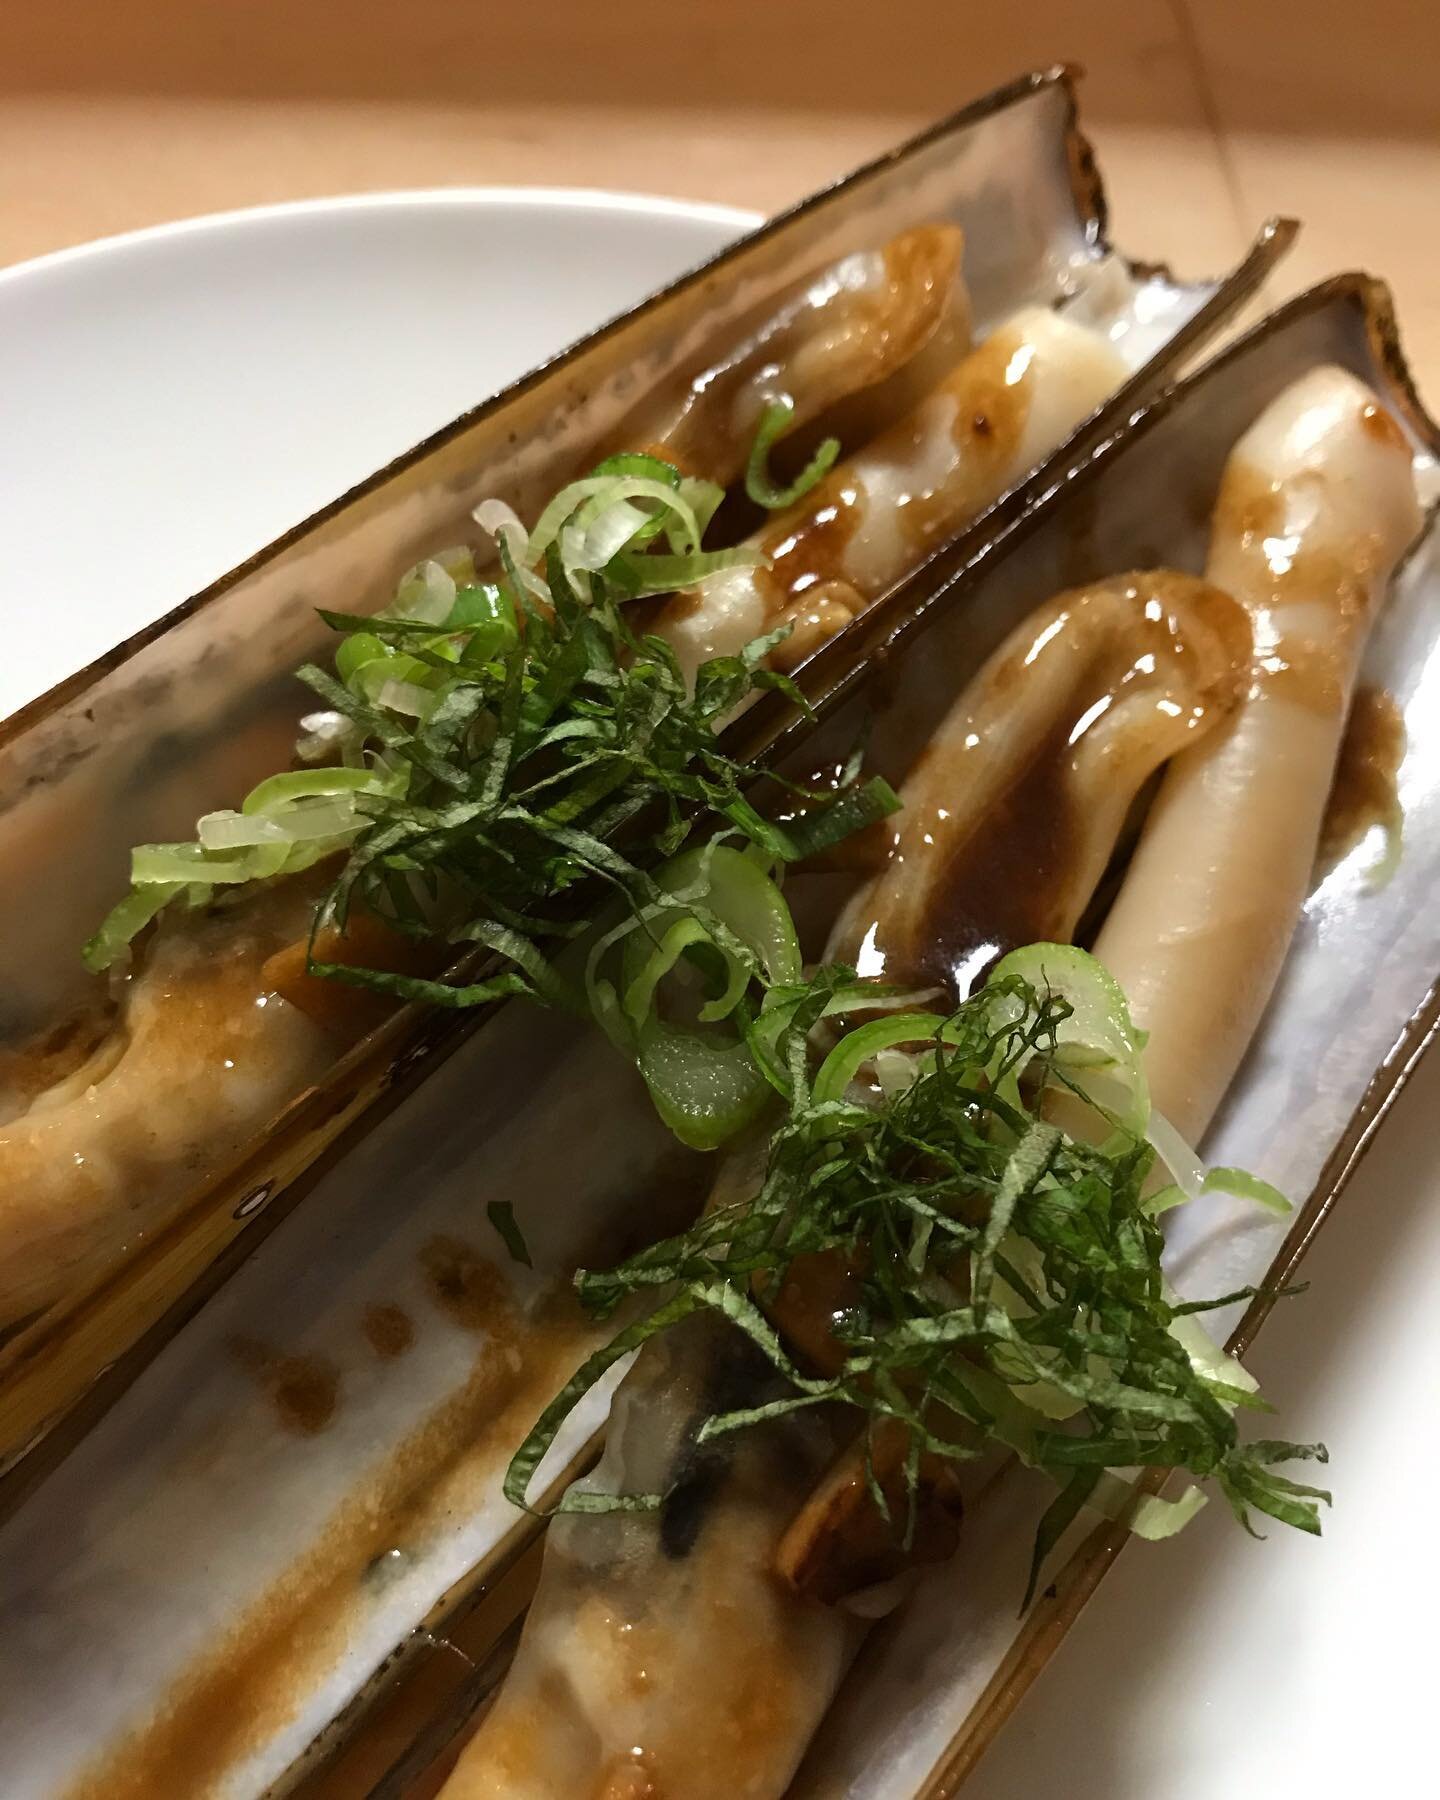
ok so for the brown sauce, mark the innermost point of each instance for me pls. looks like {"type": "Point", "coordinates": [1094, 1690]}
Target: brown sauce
{"type": "Point", "coordinates": [303, 1390]}
{"type": "Point", "coordinates": [346, 1012]}
{"type": "Point", "coordinates": [389, 1330]}
{"type": "Point", "coordinates": [1013, 807]}
{"type": "Point", "coordinates": [1377, 423]}
{"type": "Point", "coordinates": [32, 1069]}
{"type": "Point", "coordinates": [992, 390]}
{"type": "Point", "coordinates": [1007, 886]}
{"type": "Point", "coordinates": [1272, 570]}
{"type": "Point", "coordinates": [920, 261]}
{"type": "Point", "coordinates": [841, 1542]}
{"type": "Point", "coordinates": [808, 549]}
{"type": "Point", "coordinates": [816, 1292]}
{"type": "Point", "coordinates": [259, 1674]}
{"type": "Point", "coordinates": [1365, 792]}
{"type": "Point", "coordinates": [467, 1288]}
{"type": "Point", "coordinates": [814, 619]}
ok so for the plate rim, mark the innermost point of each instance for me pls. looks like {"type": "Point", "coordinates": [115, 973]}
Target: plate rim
{"type": "Point", "coordinates": [499, 197]}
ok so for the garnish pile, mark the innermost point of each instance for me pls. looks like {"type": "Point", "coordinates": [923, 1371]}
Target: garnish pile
{"type": "Point", "coordinates": [983, 1179]}
{"type": "Point", "coordinates": [1004, 1274]}
{"type": "Point", "coordinates": [489, 742]}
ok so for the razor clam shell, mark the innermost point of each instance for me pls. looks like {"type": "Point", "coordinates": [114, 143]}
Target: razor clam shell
{"type": "Point", "coordinates": [1356, 1003]}
{"type": "Point", "coordinates": [139, 744]}
{"type": "Point", "coordinates": [147, 1547]}
{"type": "Point", "coordinates": [186, 715]}
{"type": "Point", "coordinates": [932, 1686]}
{"type": "Point", "coordinates": [185, 1519]}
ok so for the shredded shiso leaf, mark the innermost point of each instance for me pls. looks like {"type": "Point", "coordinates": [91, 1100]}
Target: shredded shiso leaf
{"type": "Point", "coordinates": [490, 745]}
{"type": "Point", "coordinates": [495, 739]}
{"type": "Point", "coordinates": [1006, 1274]}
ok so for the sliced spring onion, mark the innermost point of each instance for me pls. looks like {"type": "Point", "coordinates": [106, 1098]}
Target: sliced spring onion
{"type": "Point", "coordinates": [503, 523]}
{"type": "Point", "coordinates": [705, 1082]}
{"type": "Point", "coordinates": [427, 592]}
{"type": "Point", "coordinates": [733, 888]}
{"type": "Point", "coordinates": [1099, 1038]}
{"type": "Point", "coordinates": [487, 613]}
{"type": "Point", "coordinates": [328, 734]}
{"type": "Point", "coordinates": [774, 423]}
{"type": "Point", "coordinates": [604, 524]}
{"type": "Point", "coordinates": [585, 504]}
{"type": "Point", "coordinates": [1146, 1515]}
{"type": "Point", "coordinates": [375, 675]}
{"type": "Point", "coordinates": [111, 940]}
{"type": "Point", "coordinates": [861, 804]}
{"type": "Point", "coordinates": [1163, 1199]}
{"type": "Point", "coordinates": [730, 890]}
{"type": "Point", "coordinates": [1207, 1359]}
{"type": "Point", "coordinates": [1245, 1186]}
{"type": "Point", "coordinates": [407, 697]}
{"type": "Point", "coordinates": [1192, 1178]}
{"type": "Point", "coordinates": [309, 784]}
{"type": "Point", "coordinates": [355, 650]}
{"type": "Point", "coordinates": [162, 864]}
{"type": "Point", "coordinates": [702, 497]}
{"type": "Point", "coordinates": [675, 940]}
{"type": "Point", "coordinates": [636, 576]}
{"type": "Point", "coordinates": [858, 1047]}
{"type": "Point", "coordinates": [286, 823]}
{"type": "Point", "coordinates": [705, 1085]}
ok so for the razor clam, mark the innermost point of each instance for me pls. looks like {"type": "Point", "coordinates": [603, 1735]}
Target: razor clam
{"type": "Point", "coordinates": [160, 1522]}
{"type": "Point", "coordinates": [1316, 506]}
{"type": "Point", "coordinates": [92, 1170]}
{"type": "Point", "coordinates": [877, 515]}
{"type": "Point", "coordinates": [217, 1010]}
{"type": "Point", "coordinates": [1062, 727]}
{"type": "Point", "coordinates": [916, 1715]}
{"type": "Point", "coordinates": [192, 711]}
{"type": "Point", "coordinates": [907, 1694]}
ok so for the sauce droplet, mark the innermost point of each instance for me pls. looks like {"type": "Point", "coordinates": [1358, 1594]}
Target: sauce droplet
{"type": "Point", "coordinates": [304, 1390]}
{"type": "Point", "coordinates": [466, 1287]}
{"type": "Point", "coordinates": [389, 1330]}
{"type": "Point", "coordinates": [1365, 792]}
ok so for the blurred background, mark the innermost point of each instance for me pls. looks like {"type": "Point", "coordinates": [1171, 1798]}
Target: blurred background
{"type": "Point", "coordinates": [1209, 113]}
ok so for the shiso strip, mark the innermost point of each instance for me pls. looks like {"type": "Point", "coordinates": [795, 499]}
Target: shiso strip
{"type": "Point", "coordinates": [1007, 1274]}
{"type": "Point", "coordinates": [498, 738]}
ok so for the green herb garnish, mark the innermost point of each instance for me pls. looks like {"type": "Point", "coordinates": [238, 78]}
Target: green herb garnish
{"type": "Point", "coordinates": [759, 485]}
{"type": "Point", "coordinates": [501, 1214]}
{"type": "Point", "coordinates": [1006, 1274]}
{"type": "Point", "coordinates": [499, 740]}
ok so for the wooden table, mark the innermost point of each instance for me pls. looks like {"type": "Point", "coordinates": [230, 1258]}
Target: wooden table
{"type": "Point", "coordinates": [1209, 114]}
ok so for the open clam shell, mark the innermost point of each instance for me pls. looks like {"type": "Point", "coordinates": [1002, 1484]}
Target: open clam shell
{"type": "Point", "coordinates": [315, 1565]}
{"type": "Point", "coordinates": [186, 715]}
{"type": "Point", "coordinates": [1357, 1004]}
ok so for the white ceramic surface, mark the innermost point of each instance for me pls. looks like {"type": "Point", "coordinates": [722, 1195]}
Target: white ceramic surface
{"type": "Point", "coordinates": [298, 347]}
{"type": "Point", "coordinates": [172, 400]}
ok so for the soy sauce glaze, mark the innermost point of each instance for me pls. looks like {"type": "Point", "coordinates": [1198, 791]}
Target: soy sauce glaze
{"type": "Point", "coordinates": [1013, 808]}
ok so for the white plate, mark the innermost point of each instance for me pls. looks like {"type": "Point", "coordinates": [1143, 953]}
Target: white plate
{"type": "Point", "coordinates": [173, 399]}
